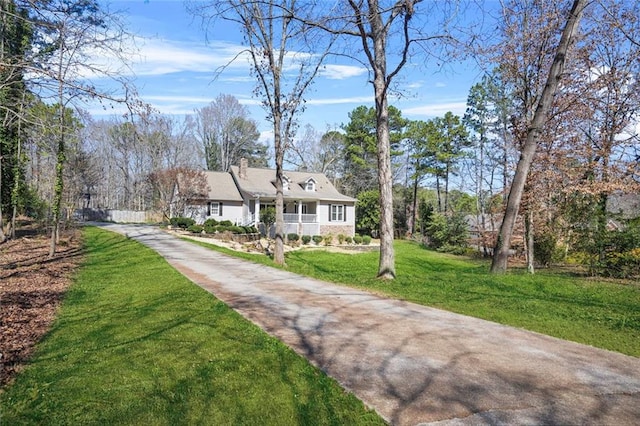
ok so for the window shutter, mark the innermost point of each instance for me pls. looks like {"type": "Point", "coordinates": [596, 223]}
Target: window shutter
{"type": "Point", "coordinates": [344, 213]}
{"type": "Point", "coordinates": [330, 211]}
{"type": "Point", "coordinates": [209, 208]}
{"type": "Point", "coordinates": [219, 209]}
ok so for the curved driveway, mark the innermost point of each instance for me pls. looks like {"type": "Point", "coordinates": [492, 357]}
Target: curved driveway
{"type": "Point", "coordinates": [411, 363]}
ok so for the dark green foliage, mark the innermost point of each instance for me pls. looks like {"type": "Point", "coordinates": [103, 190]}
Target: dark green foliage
{"type": "Point", "coordinates": [622, 253]}
{"type": "Point", "coordinates": [447, 233]}
{"type": "Point", "coordinates": [544, 247]}
{"type": "Point", "coordinates": [622, 265]}
{"type": "Point", "coordinates": [606, 252]}
{"type": "Point", "coordinates": [348, 240]}
{"type": "Point", "coordinates": [306, 239]}
{"type": "Point", "coordinates": [181, 222]}
{"type": "Point", "coordinates": [317, 239]}
{"type": "Point", "coordinates": [229, 228]}
{"type": "Point", "coordinates": [30, 203]}
{"type": "Point", "coordinates": [368, 212]}
{"type": "Point", "coordinates": [361, 147]}
{"type": "Point", "coordinates": [210, 222]}
{"type": "Point", "coordinates": [366, 240]}
{"type": "Point", "coordinates": [293, 237]}
{"type": "Point", "coordinates": [196, 229]}
{"type": "Point", "coordinates": [212, 227]}
{"type": "Point", "coordinates": [425, 212]}
{"type": "Point", "coordinates": [357, 239]}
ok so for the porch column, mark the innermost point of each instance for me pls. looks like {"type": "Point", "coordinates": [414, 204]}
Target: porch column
{"type": "Point", "coordinates": [300, 225]}
{"type": "Point", "coordinates": [257, 212]}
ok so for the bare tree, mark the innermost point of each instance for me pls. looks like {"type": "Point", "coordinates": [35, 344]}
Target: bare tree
{"type": "Point", "coordinates": [375, 24]}
{"type": "Point", "coordinates": [176, 187]}
{"type": "Point", "coordinates": [284, 63]}
{"type": "Point", "coordinates": [76, 37]}
{"type": "Point", "coordinates": [501, 253]}
{"type": "Point", "coordinates": [317, 152]}
{"type": "Point", "coordinates": [226, 132]}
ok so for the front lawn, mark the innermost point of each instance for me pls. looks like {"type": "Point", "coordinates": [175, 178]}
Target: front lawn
{"type": "Point", "coordinates": [137, 343]}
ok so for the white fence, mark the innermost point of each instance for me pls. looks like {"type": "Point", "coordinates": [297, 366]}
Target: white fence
{"type": "Point", "coordinates": [118, 216]}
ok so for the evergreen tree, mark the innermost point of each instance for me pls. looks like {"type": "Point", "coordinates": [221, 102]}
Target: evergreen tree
{"type": "Point", "coordinates": [361, 163]}
{"type": "Point", "coordinates": [15, 40]}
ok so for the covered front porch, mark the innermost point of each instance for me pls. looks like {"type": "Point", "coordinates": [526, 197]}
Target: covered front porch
{"type": "Point", "coordinates": [300, 216]}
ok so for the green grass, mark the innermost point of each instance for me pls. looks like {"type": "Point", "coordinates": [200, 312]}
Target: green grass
{"type": "Point", "coordinates": [601, 314]}
{"type": "Point", "coordinates": [137, 343]}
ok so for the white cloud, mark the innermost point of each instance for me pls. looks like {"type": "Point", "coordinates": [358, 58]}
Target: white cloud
{"type": "Point", "coordinates": [338, 101]}
{"type": "Point", "coordinates": [341, 72]}
{"type": "Point", "coordinates": [160, 57]}
{"type": "Point", "coordinates": [169, 98]}
{"type": "Point", "coordinates": [249, 101]}
{"type": "Point", "coordinates": [326, 101]}
{"type": "Point", "coordinates": [436, 109]}
{"type": "Point", "coordinates": [238, 79]}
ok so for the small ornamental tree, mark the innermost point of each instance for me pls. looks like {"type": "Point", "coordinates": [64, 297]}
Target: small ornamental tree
{"type": "Point", "coordinates": [268, 217]}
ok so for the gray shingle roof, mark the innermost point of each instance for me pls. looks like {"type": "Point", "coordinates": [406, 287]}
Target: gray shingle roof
{"type": "Point", "coordinates": [222, 187]}
{"type": "Point", "coordinates": [261, 182]}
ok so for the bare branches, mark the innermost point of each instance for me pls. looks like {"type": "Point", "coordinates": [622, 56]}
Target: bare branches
{"type": "Point", "coordinates": [284, 64]}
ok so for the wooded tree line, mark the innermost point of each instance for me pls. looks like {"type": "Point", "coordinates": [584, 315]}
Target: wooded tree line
{"type": "Point", "coordinates": [560, 92]}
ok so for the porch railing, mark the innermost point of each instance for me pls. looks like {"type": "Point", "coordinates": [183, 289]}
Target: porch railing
{"type": "Point", "coordinates": [295, 218]}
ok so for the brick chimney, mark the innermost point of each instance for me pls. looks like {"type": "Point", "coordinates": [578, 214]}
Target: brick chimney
{"type": "Point", "coordinates": [242, 173]}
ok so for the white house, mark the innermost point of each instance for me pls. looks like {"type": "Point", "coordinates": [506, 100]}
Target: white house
{"type": "Point", "coordinates": [312, 205]}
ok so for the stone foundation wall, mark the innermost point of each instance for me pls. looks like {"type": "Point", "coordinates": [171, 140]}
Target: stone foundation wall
{"type": "Point", "coordinates": [334, 230]}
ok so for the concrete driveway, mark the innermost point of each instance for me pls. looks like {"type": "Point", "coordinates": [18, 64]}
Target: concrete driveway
{"type": "Point", "coordinates": [413, 364]}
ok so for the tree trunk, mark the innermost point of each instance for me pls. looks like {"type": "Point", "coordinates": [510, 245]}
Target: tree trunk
{"type": "Point", "coordinates": [2, 235]}
{"type": "Point", "coordinates": [438, 193]}
{"type": "Point", "coordinates": [528, 236]}
{"type": "Point", "coordinates": [446, 189]}
{"type": "Point", "coordinates": [57, 197]}
{"type": "Point", "coordinates": [414, 206]}
{"type": "Point", "coordinates": [278, 250]}
{"type": "Point", "coordinates": [503, 243]}
{"type": "Point", "coordinates": [17, 175]}
{"type": "Point", "coordinates": [58, 185]}
{"type": "Point", "coordinates": [386, 266]}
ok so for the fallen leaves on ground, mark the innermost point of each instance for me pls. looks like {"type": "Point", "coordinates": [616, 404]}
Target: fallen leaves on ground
{"type": "Point", "coordinates": [32, 286]}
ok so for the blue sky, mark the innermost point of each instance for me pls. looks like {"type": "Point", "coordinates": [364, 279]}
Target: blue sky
{"type": "Point", "coordinates": [176, 65]}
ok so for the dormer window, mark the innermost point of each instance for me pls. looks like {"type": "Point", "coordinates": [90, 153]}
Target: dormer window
{"type": "Point", "coordinates": [285, 183]}
{"type": "Point", "coordinates": [310, 185]}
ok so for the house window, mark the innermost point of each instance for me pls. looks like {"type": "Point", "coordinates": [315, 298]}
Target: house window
{"type": "Point", "coordinates": [214, 209]}
{"type": "Point", "coordinates": [337, 213]}
{"type": "Point", "coordinates": [310, 185]}
{"type": "Point", "coordinates": [285, 183]}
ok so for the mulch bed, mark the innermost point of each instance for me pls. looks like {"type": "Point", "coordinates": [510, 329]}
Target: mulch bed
{"type": "Point", "coordinates": [32, 286]}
